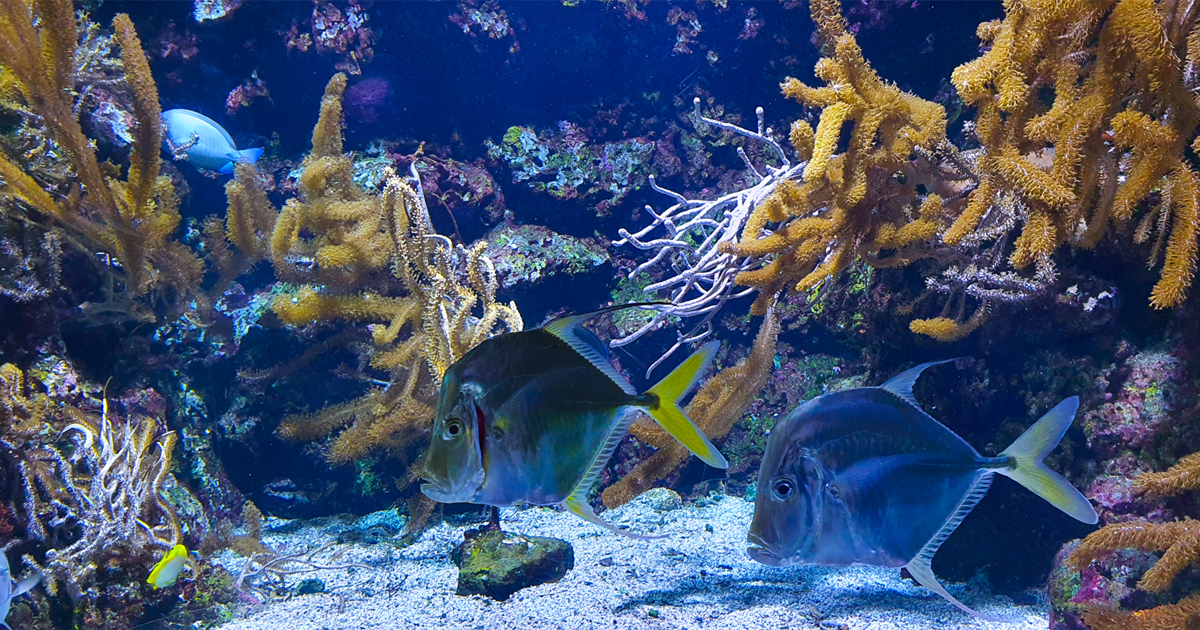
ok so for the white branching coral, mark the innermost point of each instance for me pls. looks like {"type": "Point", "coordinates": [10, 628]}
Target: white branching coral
{"type": "Point", "coordinates": [115, 485]}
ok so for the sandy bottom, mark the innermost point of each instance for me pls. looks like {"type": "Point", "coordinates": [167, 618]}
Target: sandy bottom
{"type": "Point", "coordinates": [693, 579]}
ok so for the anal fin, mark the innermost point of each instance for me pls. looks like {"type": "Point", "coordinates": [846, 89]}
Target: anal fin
{"type": "Point", "coordinates": [579, 506]}
{"type": "Point", "coordinates": [923, 574]}
{"type": "Point", "coordinates": [577, 503]}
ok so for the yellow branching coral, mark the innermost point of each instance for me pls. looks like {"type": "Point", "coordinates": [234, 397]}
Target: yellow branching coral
{"type": "Point", "coordinates": [248, 225]}
{"type": "Point", "coordinates": [1085, 112]}
{"type": "Point", "coordinates": [131, 219]}
{"type": "Point", "coordinates": [1180, 616]}
{"type": "Point", "coordinates": [1117, 69]}
{"type": "Point", "coordinates": [22, 413]}
{"type": "Point", "coordinates": [715, 409]}
{"type": "Point", "coordinates": [1180, 478]}
{"type": "Point", "coordinates": [376, 259]}
{"type": "Point", "coordinates": [855, 203]}
{"type": "Point", "coordinates": [1179, 542]}
{"type": "Point", "coordinates": [948, 329]}
{"type": "Point", "coordinates": [1179, 539]}
{"type": "Point", "coordinates": [26, 418]}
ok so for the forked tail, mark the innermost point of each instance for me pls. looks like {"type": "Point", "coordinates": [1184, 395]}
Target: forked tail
{"type": "Point", "coordinates": [1030, 471]}
{"type": "Point", "coordinates": [663, 405]}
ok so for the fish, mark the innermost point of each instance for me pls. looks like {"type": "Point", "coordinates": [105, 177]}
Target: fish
{"type": "Point", "coordinates": [10, 589]}
{"type": "Point", "coordinates": [534, 416]}
{"type": "Point", "coordinates": [865, 476]}
{"type": "Point", "coordinates": [205, 143]}
{"type": "Point", "coordinates": [168, 569]}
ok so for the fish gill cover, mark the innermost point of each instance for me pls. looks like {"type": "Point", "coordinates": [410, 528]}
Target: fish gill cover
{"type": "Point", "coordinates": [236, 376]}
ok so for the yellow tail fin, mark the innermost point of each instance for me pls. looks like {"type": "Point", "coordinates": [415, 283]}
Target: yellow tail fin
{"type": "Point", "coordinates": [1032, 447]}
{"type": "Point", "coordinates": [665, 405]}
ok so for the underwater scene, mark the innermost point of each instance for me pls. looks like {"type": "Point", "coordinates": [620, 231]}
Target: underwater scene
{"type": "Point", "coordinates": [599, 314]}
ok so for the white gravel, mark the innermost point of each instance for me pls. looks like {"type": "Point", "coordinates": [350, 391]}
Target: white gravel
{"type": "Point", "coordinates": [693, 579]}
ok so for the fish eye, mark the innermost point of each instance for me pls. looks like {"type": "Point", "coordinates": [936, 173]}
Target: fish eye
{"type": "Point", "coordinates": [783, 488]}
{"type": "Point", "coordinates": [454, 428]}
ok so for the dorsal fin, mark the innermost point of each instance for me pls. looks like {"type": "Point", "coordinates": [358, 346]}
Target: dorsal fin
{"type": "Point", "coordinates": [592, 340]}
{"type": "Point", "coordinates": [902, 383]}
{"type": "Point", "coordinates": [569, 329]}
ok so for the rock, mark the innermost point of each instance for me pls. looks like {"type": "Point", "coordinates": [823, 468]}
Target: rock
{"type": "Point", "coordinates": [498, 564]}
{"type": "Point", "coordinates": [1109, 583]}
{"type": "Point", "coordinates": [309, 587]}
{"type": "Point", "coordinates": [663, 499]}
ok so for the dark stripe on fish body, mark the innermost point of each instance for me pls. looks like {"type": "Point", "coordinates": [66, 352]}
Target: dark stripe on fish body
{"type": "Point", "coordinates": [873, 411]}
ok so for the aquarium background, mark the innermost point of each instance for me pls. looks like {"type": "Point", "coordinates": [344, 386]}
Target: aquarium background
{"type": "Point", "coordinates": [535, 127]}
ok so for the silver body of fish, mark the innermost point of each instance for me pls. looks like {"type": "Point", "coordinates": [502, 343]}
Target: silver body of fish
{"type": "Point", "coordinates": [864, 476]}
{"type": "Point", "coordinates": [205, 143]}
{"type": "Point", "coordinates": [10, 589]}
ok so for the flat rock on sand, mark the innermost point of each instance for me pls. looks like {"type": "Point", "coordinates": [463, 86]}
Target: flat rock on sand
{"type": "Point", "coordinates": [693, 579]}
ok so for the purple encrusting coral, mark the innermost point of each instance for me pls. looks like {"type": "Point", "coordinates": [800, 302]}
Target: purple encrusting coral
{"type": "Point", "coordinates": [1125, 427]}
{"type": "Point", "coordinates": [1130, 417]}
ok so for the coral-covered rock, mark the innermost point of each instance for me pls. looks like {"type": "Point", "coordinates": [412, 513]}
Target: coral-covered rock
{"type": "Point", "coordinates": [1109, 583]}
{"type": "Point", "coordinates": [528, 253]}
{"type": "Point", "coordinates": [498, 564]}
{"type": "Point", "coordinates": [1124, 428]}
{"type": "Point", "coordinates": [1144, 401]}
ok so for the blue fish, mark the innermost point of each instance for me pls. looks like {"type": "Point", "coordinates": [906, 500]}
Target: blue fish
{"type": "Point", "coordinates": [10, 589]}
{"type": "Point", "coordinates": [205, 143]}
{"type": "Point", "coordinates": [864, 476]}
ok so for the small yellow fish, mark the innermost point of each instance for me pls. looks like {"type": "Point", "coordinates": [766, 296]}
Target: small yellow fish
{"type": "Point", "coordinates": [168, 569]}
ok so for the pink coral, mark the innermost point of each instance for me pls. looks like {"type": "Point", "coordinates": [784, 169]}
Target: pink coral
{"type": "Point", "coordinates": [245, 94]}
{"type": "Point", "coordinates": [168, 43]}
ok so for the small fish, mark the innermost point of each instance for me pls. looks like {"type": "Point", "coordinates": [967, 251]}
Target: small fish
{"type": "Point", "coordinates": [864, 476]}
{"type": "Point", "coordinates": [168, 569]}
{"type": "Point", "coordinates": [205, 143]}
{"type": "Point", "coordinates": [10, 589]}
{"type": "Point", "coordinates": [534, 416]}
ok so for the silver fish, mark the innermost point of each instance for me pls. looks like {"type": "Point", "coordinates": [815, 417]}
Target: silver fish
{"type": "Point", "coordinates": [10, 589]}
{"type": "Point", "coordinates": [205, 143]}
{"type": "Point", "coordinates": [534, 416]}
{"type": "Point", "coordinates": [864, 476]}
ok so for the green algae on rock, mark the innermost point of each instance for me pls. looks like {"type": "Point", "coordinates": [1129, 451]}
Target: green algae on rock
{"type": "Point", "coordinates": [528, 253]}
{"type": "Point", "coordinates": [497, 564]}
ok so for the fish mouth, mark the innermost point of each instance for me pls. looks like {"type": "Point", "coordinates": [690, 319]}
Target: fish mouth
{"type": "Point", "coordinates": [435, 492]}
{"type": "Point", "coordinates": [760, 552]}
{"type": "Point", "coordinates": [447, 491]}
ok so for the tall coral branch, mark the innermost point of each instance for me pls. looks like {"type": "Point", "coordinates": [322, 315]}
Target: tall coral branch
{"type": "Point", "coordinates": [715, 409]}
{"type": "Point", "coordinates": [131, 219]}
{"type": "Point", "coordinates": [377, 259]}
